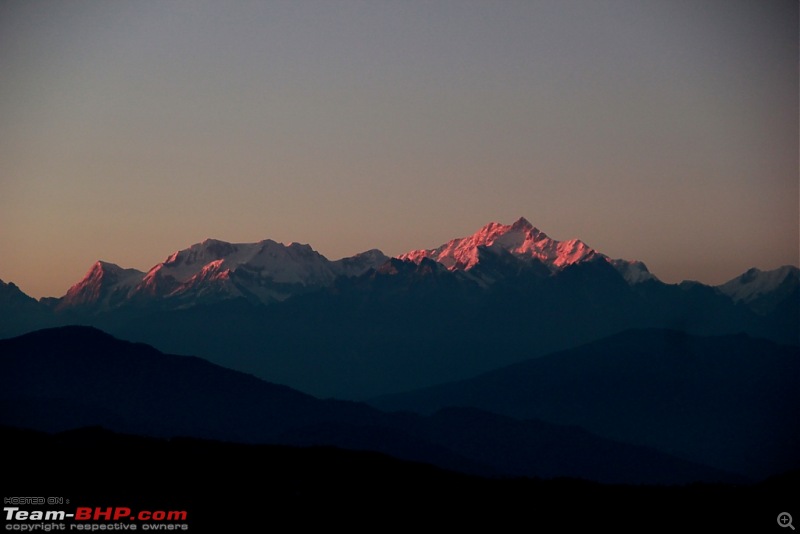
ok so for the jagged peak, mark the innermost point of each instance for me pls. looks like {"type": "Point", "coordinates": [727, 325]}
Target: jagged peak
{"type": "Point", "coordinates": [106, 265]}
{"type": "Point", "coordinates": [521, 239]}
{"type": "Point", "coordinates": [100, 280]}
{"type": "Point", "coordinates": [199, 253]}
{"type": "Point", "coordinates": [261, 266]}
{"type": "Point", "coordinates": [100, 269]}
{"type": "Point", "coordinates": [521, 229]}
{"type": "Point", "coordinates": [522, 224]}
{"type": "Point", "coordinates": [491, 227]}
{"type": "Point", "coordinates": [11, 286]}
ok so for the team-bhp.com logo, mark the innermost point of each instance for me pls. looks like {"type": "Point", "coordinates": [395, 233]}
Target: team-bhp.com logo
{"type": "Point", "coordinates": [94, 518]}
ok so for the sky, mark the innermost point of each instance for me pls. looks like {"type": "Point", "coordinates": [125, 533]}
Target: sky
{"type": "Point", "coordinates": [654, 130]}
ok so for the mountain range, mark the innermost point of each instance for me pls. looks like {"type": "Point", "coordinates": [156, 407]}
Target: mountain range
{"type": "Point", "coordinates": [370, 325]}
{"type": "Point", "coordinates": [268, 272]}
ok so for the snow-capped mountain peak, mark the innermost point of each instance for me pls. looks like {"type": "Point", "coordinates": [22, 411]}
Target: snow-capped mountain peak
{"type": "Point", "coordinates": [236, 269]}
{"type": "Point", "coordinates": [525, 242]}
{"type": "Point", "coordinates": [755, 282]}
{"type": "Point", "coordinates": [521, 239]}
{"type": "Point", "coordinates": [103, 282]}
{"type": "Point", "coordinates": [264, 272]}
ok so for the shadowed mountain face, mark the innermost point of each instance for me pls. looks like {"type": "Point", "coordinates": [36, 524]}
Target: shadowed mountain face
{"type": "Point", "coordinates": [20, 313]}
{"type": "Point", "coordinates": [407, 325]}
{"type": "Point", "coordinates": [732, 402]}
{"type": "Point", "coordinates": [368, 325]}
{"type": "Point", "coordinates": [59, 379]}
{"type": "Point", "coordinates": [765, 291]}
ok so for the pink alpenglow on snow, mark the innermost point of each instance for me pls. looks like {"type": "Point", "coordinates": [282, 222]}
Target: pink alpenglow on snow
{"type": "Point", "coordinates": [524, 241]}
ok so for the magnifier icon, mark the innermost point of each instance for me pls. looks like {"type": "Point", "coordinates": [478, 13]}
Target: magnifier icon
{"type": "Point", "coordinates": [785, 520]}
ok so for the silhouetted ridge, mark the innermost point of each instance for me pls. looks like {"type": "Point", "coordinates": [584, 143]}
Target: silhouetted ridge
{"type": "Point", "coordinates": [319, 486]}
{"type": "Point", "coordinates": [72, 377]}
{"type": "Point", "coordinates": [727, 401]}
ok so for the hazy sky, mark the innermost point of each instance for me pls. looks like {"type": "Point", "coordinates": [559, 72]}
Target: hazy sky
{"type": "Point", "coordinates": [663, 130]}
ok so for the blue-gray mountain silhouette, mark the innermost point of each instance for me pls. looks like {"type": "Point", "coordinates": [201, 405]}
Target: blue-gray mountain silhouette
{"type": "Point", "coordinates": [728, 401]}
{"type": "Point", "coordinates": [72, 377]}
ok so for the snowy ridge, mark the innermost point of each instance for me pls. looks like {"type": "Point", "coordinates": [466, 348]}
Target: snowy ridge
{"type": "Point", "coordinates": [521, 239]}
{"type": "Point", "coordinates": [268, 271]}
{"type": "Point", "coordinates": [755, 283]}
{"type": "Point", "coordinates": [526, 242]}
{"type": "Point", "coordinates": [104, 283]}
{"type": "Point", "coordinates": [294, 263]}
{"type": "Point", "coordinates": [263, 272]}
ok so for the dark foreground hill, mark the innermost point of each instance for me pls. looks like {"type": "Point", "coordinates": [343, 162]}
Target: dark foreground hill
{"type": "Point", "coordinates": [226, 487]}
{"type": "Point", "coordinates": [66, 378]}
